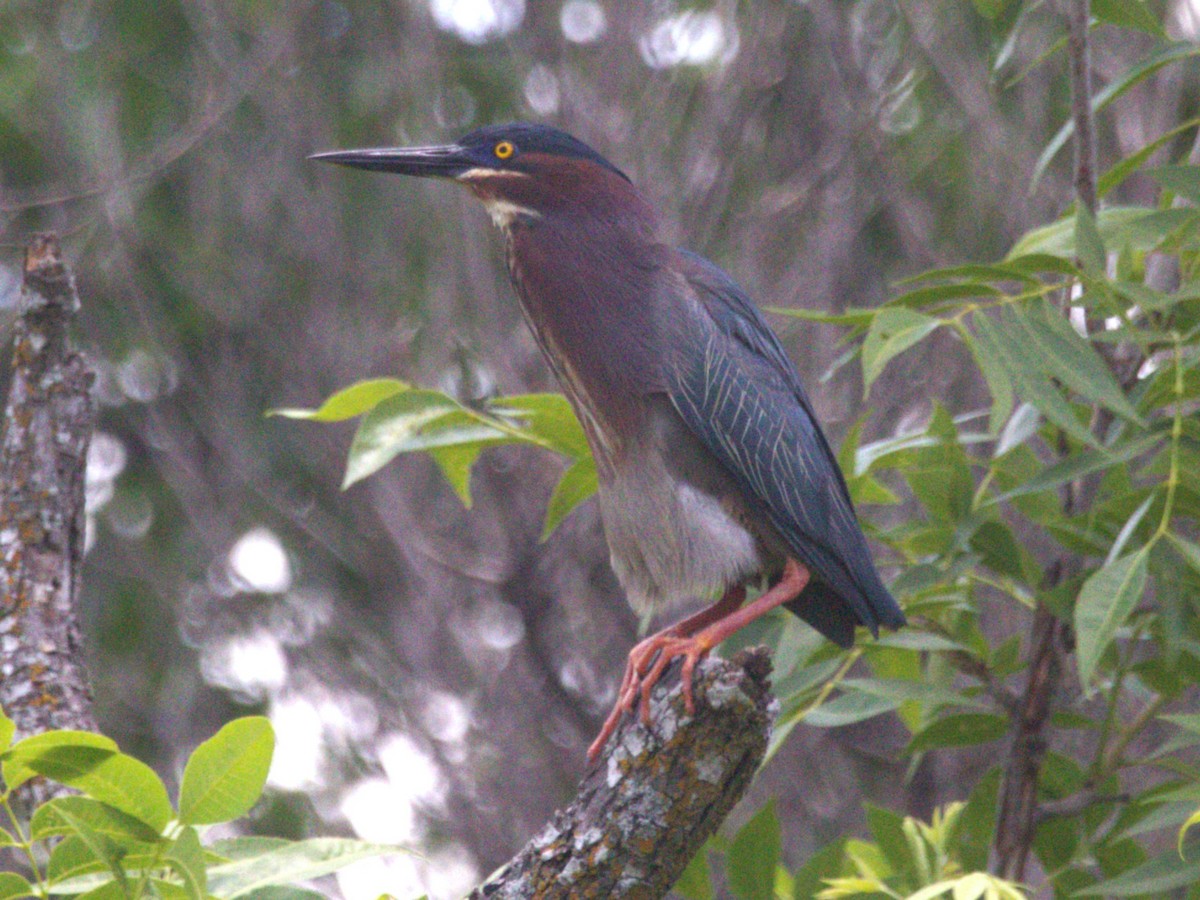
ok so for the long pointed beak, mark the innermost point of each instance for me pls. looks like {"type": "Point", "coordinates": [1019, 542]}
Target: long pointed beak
{"type": "Point", "coordinates": [446, 161]}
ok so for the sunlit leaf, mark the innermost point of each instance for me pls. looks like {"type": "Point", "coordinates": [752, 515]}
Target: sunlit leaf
{"type": "Point", "coordinates": [696, 881]}
{"type": "Point", "coordinates": [15, 768]}
{"type": "Point", "coordinates": [225, 775]}
{"type": "Point", "coordinates": [13, 886]}
{"type": "Point", "coordinates": [353, 401]}
{"type": "Point", "coordinates": [298, 861]}
{"type": "Point", "coordinates": [186, 859]}
{"type": "Point", "coordinates": [63, 815]}
{"type": "Point", "coordinates": [577, 484]}
{"type": "Point", "coordinates": [1105, 602]}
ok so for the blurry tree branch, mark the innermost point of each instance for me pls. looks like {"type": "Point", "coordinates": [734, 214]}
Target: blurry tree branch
{"type": "Point", "coordinates": [656, 795]}
{"type": "Point", "coordinates": [48, 422]}
{"type": "Point", "coordinates": [1050, 638]}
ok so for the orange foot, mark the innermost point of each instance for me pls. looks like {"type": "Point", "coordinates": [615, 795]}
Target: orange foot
{"type": "Point", "coordinates": [691, 639]}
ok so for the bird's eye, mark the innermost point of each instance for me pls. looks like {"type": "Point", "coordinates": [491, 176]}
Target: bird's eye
{"type": "Point", "coordinates": [504, 150]}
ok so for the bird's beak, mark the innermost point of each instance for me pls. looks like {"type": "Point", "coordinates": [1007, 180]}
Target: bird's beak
{"type": "Point", "coordinates": [446, 161]}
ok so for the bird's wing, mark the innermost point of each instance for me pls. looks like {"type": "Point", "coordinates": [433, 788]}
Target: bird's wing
{"type": "Point", "coordinates": [738, 392]}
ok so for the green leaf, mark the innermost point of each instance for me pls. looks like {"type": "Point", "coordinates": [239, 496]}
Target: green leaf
{"type": "Point", "coordinates": [1088, 244]}
{"type": "Point", "coordinates": [347, 403]}
{"type": "Point", "coordinates": [548, 417]}
{"type": "Point", "coordinates": [1105, 602]}
{"type": "Point", "coordinates": [893, 331]}
{"type": "Point", "coordinates": [994, 372]}
{"type": "Point", "coordinates": [1081, 463]}
{"type": "Point", "coordinates": [1156, 878]}
{"type": "Point", "coordinates": [8, 728]}
{"type": "Point", "coordinates": [399, 424]}
{"type": "Point", "coordinates": [959, 730]}
{"type": "Point", "coordinates": [1181, 180]}
{"type": "Point", "coordinates": [456, 462]}
{"type": "Point", "coordinates": [753, 856]}
{"type": "Point", "coordinates": [71, 858]}
{"type": "Point", "coordinates": [186, 858]}
{"type": "Point", "coordinates": [64, 814]}
{"type": "Point", "coordinates": [849, 708]}
{"type": "Point", "coordinates": [1128, 79]}
{"type": "Point", "coordinates": [17, 772]}
{"type": "Point", "coordinates": [696, 881]}
{"type": "Point", "coordinates": [1026, 367]}
{"type": "Point", "coordinates": [113, 778]}
{"type": "Point", "coordinates": [225, 775]}
{"type": "Point", "coordinates": [577, 484]}
{"type": "Point", "coordinates": [13, 886]}
{"type": "Point", "coordinates": [1138, 227]}
{"type": "Point", "coordinates": [299, 861]}
{"type": "Point", "coordinates": [1128, 14]}
{"type": "Point", "coordinates": [1192, 820]}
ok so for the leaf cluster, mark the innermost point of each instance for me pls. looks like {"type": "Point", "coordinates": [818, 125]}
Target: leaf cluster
{"type": "Point", "coordinates": [121, 838]}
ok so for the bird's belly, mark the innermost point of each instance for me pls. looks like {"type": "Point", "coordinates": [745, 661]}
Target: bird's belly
{"type": "Point", "coordinates": [676, 527]}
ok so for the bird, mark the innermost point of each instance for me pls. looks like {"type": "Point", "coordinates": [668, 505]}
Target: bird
{"type": "Point", "coordinates": [714, 473]}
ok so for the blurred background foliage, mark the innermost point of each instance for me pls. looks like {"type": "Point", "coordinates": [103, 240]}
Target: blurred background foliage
{"type": "Point", "coordinates": [434, 673]}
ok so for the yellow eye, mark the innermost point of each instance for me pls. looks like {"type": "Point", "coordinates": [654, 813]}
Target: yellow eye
{"type": "Point", "coordinates": [504, 150]}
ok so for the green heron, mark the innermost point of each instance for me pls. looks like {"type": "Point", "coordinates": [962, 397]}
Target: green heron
{"type": "Point", "coordinates": [713, 470]}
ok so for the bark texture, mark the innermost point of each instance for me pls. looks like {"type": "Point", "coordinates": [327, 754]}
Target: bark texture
{"type": "Point", "coordinates": [656, 795]}
{"type": "Point", "coordinates": [48, 422]}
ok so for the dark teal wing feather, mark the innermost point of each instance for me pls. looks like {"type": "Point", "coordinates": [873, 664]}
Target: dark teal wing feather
{"type": "Point", "coordinates": [738, 392]}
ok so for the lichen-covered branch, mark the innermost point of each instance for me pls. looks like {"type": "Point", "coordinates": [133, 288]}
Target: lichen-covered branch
{"type": "Point", "coordinates": [48, 422]}
{"type": "Point", "coordinates": [657, 794]}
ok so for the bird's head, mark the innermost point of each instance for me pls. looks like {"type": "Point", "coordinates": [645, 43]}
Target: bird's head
{"type": "Point", "coordinates": [519, 169]}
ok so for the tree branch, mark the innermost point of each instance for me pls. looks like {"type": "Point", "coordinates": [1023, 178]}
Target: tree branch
{"type": "Point", "coordinates": [656, 795]}
{"type": "Point", "coordinates": [48, 422]}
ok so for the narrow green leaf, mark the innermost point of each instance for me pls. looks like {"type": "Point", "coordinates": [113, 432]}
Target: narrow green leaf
{"type": "Point", "coordinates": [849, 708]}
{"type": "Point", "coordinates": [1105, 602]}
{"type": "Point", "coordinates": [225, 775]}
{"type": "Point", "coordinates": [1088, 244]}
{"type": "Point", "coordinates": [1138, 227]}
{"type": "Point", "coordinates": [812, 877]}
{"type": "Point", "coordinates": [1193, 819]}
{"type": "Point", "coordinates": [1125, 81]}
{"type": "Point", "coordinates": [347, 403]}
{"type": "Point", "coordinates": [991, 365]}
{"type": "Point", "coordinates": [1083, 463]}
{"type": "Point", "coordinates": [1157, 878]}
{"type": "Point", "coordinates": [299, 861]}
{"type": "Point", "coordinates": [186, 859]}
{"type": "Point", "coordinates": [1128, 14]}
{"type": "Point", "coordinates": [1189, 550]}
{"type": "Point", "coordinates": [900, 690]}
{"type": "Point", "coordinates": [1129, 528]}
{"type": "Point", "coordinates": [858, 318]}
{"type": "Point", "coordinates": [1071, 359]}
{"type": "Point", "coordinates": [1024, 365]}
{"type": "Point", "coordinates": [577, 484]}
{"type": "Point", "coordinates": [959, 730]}
{"type": "Point", "coordinates": [753, 856]}
{"type": "Point", "coordinates": [1181, 180]}
{"type": "Point", "coordinates": [110, 890]}
{"type": "Point", "coordinates": [938, 294]}
{"type": "Point", "coordinates": [13, 886]}
{"type": "Point", "coordinates": [894, 330]}
{"type": "Point", "coordinates": [1116, 176]}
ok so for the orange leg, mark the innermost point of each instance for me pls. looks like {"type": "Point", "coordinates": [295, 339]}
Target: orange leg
{"type": "Point", "coordinates": [692, 639]}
